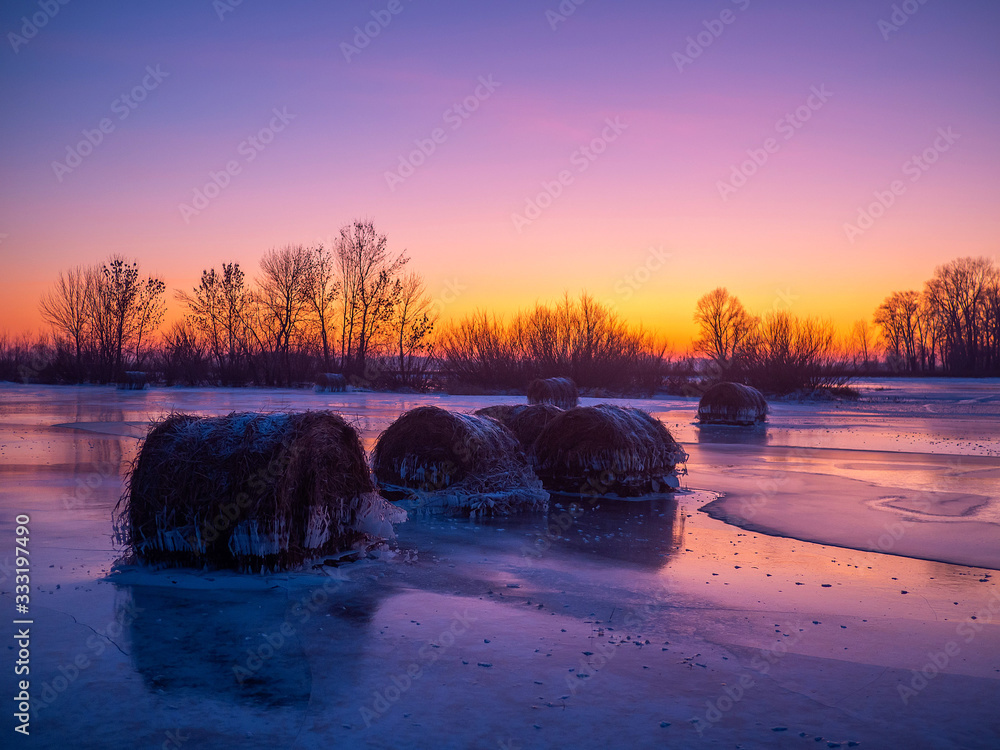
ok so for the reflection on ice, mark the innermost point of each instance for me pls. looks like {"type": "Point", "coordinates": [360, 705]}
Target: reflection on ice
{"type": "Point", "coordinates": [643, 530]}
{"type": "Point", "coordinates": [240, 646]}
{"type": "Point", "coordinates": [732, 434]}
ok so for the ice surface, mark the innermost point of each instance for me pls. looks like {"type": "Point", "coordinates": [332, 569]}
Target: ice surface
{"type": "Point", "coordinates": [532, 632]}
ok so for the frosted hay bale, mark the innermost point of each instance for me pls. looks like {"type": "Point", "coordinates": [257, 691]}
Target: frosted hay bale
{"type": "Point", "coordinates": [251, 491]}
{"type": "Point", "coordinates": [732, 403]}
{"type": "Point", "coordinates": [329, 382]}
{"type": "Point", "coordinates": [526, 422]}
{"type": "Point", "coordinates": [558, 391]}
{"type": "Point", "coordinates": [134, 380]}
{"type": "Point", "coordinates": [607, 450]}
{"type": "Point", "coordinates": [461, 462]}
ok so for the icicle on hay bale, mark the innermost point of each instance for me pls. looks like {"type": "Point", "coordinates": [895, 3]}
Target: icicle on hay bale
{"type": "Point", "coordinates": [558, 391]}
{"type": "Point", "coordinates": [134, 380]}
{"type": "Point", "coordinates": [607, 450]}
{"type": "Point", "coordinates": [251, 491]}
{"type": "Point", "coordinates": [465, 463]}
{"type": "Point", "coordinates": [732, 403]}
{"type": "Point", "coordinates": [330, 382]}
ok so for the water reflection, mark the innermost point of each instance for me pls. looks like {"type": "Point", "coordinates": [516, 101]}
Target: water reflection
{"type": "Point", "coordinates": [646, 531]}
{"type": "Point", "coordinates": [722, 434]}
{"type": "Point", "coordinates": [242, 646]}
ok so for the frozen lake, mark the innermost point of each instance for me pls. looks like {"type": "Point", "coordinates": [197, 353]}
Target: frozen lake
{"type": "Point", "coordinates": [811, 581]}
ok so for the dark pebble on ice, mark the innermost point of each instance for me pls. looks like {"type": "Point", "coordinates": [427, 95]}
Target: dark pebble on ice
{"type": "Point", "coordinates": [904, 592]}
{"type": "Point", "coordinates": [779, 729]}
{"type": "Point", "coordinates": [826, 585]}
{"type": "Point", "coordinates": [485, 664]}
{"type": "Point", "coordinates": [664, 724]}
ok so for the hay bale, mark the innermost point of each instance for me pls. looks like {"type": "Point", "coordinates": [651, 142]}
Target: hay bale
{"type": "Point", "coordinates": [330, 382]}
{"type": "Point", "coordinates": [607, 450]}
{"type": "Point", "coordinates": [251, 491]}
{"type": "Point", "coordinates": [134, 380]}
{"type": "Point", "coordinates": [558, 391]}
{"type": "Point", "coordinates": [502, 413]}
{"type": "Point", "coordinates": [469, 464]}
{"type": "Point", "coordinates": [732, 403]}
{"type": "Point", "coordinates": [526, 422]}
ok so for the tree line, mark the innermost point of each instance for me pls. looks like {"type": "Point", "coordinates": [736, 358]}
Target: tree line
{"type": "Point", "coordinates": [581, 339]}
{"type": "Point", "coordinates": [952, 325]}
{"type": "Point", "coordinates": [776, 352]}
{"type": "Point", "coordinates": [351, 308]}
{"type": "Point", "coordinates": [356, 309]}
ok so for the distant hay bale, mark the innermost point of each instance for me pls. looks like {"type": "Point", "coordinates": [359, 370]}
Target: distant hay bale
{"type": "Point", "coordinates": [251, 491]}
{"type": "Point", "coordinates": [134, 380]}
{"type": "Point", "coordinates": [526, 422]}
{"type": "Point", "coordinates": [329, 382]}
{"type": "Point", "coordinates": [461, 462]}
{"type": "Point", "coordinates": [607, 450]}
{"type": "Point", "coordinates": [732, 403]}
{"type": "Point", "coordinates": [558, 391]}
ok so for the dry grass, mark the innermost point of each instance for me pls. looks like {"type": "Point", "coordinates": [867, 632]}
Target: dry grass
{"type": "Point", "coordinates": [250, 491]}
{"type": "Point", "coordinates": [607, 450]}
{"type": "Point", "coordinates": [464, 462]}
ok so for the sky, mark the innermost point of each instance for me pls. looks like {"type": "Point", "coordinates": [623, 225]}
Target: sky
{"type": "Point", "coordinates": [809, 156]}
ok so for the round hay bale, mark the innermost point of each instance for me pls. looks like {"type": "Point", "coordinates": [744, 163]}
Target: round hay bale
{"type": "Point", "coordinates": [134, 380]}
{"type": "Point", "coordinates": [607, 450]}
{"type": "Point", "coordinates": [526, 422]}
{"type": "Point", "coordinates": [330, 382]}
{"type": "Point", "coordinates": [502, 413]}
{"type": "Point", "coordinates": [561, 392]}
{"type": "Point", "coordinates": [251, 491]}
{"type": "Point", "coordinates": [470, 464]}
{"type": "Point", "coordinates": [732, 403]}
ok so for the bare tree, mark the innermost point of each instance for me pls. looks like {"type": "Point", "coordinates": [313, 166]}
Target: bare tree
{"type": "Point", "coordinates": [725, 327]}
{"type": "Point", "coordinates": [321, 290]}
{"type": "Point", "coordinates": [371, 288]}
{"type": "Point", "coordinates": [284, 300]}
{"type": "Point", "coordinates": [148, 315]}
{"type": "Point", "coordinates": [66, 308]}
{"type": "Point", "coordinates": [861, 343]}
{"type": "Point", "coordinates": [123, 308]}
{"type": "Point", "coordinates": [958, 297]}
{"type": "Point", "coordinates": [221, 309]}
{"type": "Point", "coordinates": [412, 325]}
{"type": "Point", "coordinates": [898, 318]}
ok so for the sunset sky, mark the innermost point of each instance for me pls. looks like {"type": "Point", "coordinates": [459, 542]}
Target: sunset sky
{"type": "Point", "coordinates": [516, 99]}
